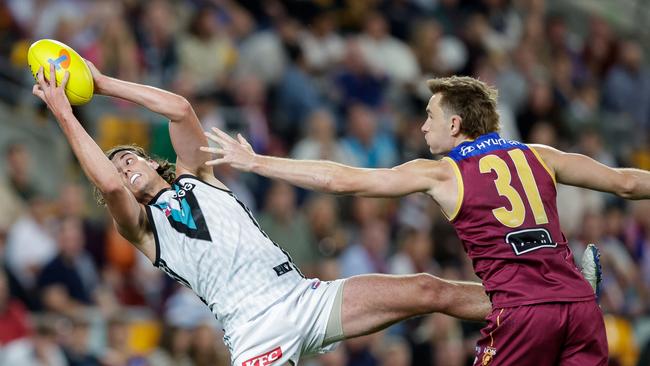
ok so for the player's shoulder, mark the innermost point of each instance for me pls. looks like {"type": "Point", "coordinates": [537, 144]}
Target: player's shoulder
{"type": "Point", "coordinates": [435, 169]}
{"type": "Point", "coordinates": [548, 154]}
{"type": "Point", "coordinates": [541, 148]}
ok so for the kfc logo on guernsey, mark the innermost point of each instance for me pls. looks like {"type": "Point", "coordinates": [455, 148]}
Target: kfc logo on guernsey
{"type": "Point", "coordinates": [483, 145]}
{"type": "Point", "coordinates": [265, 359]}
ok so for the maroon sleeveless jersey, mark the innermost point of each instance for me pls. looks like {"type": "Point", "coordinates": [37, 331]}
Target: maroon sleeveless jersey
{"type": "Point", "coordinates": [507, 219]}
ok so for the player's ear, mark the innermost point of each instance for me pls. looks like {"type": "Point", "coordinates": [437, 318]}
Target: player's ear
{"type": "Point", "coordinates": [153, 164]}
{"type": "Point", "coordinates": [454, 125]}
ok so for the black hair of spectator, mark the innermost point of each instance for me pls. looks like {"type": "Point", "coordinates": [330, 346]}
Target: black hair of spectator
{"type": "Point", "coordinates": [295, 52]}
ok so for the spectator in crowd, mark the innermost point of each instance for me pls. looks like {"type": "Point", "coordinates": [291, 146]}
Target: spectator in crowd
{"type": "Point", "coordinates": [366, 143]}
{"type": "Point", "coordinates": [76, 342]}
{"type": "Point", "coordinates": [540, 107]}
{"type": "Point", "coordinates": [155, 33]}
{"type": "Point", "coordinates": [282, 221]}
{"type": "Point", "coordinates": [599, 52]}
{"type": "Point", "coordinates": [627, 88]}
{"type": "Point", "coordinates": [30, 244]}
{"type": "Point", "coordinates": [10, 195]}
{"type": "Point", "coordinates": [115, 49]}
{"type": "Point", "coordinates": [72, 204]}
{"type": "Point", "coordinates": [385, 53]}
{"type": "Point", "coordinates": [250, 99]}
{"type": "Point", "coordinates": [205, 350]}
{"type": "Point", "coordinates": [296, 96]}
{"type": "Point", "coordinates": [13, 315]}
{"type": "Point", "coordinates": [18, 165]}
{"type": "Point", "coordinates": [414, 253]}
{"type": "Point", "coordinates": [174, 347]}
{"type": "Point", "coordinates": [323, 217]}
{"type": "Point", "coordinates": [369, 255]}
{"type": "Point", "coordinates": [320, 141]}
{"type": "Point", "coordinates": [39, 349]}
{"type": "Point", "coordinates": [262, 53]}
{"type": "Point", "coordinates": [437, 54]}
{"type": "Point", "coordinates": [323, 47]}
{"type": "Point", "coordinates": [357, 81]}
{"type": "Point", "coordinates": [206, 54]}
{"type": "Point", "coordinates": [68, 282]}
{"type": "Point", "coordinates": [395, 351]}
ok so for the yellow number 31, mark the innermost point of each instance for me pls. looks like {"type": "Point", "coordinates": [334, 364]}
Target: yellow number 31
{"type": "Point", "coordinates": [516, 215]}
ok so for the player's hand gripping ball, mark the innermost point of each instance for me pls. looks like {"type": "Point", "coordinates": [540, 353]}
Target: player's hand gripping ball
{"type": "Point", "coordinates": [46, 52]}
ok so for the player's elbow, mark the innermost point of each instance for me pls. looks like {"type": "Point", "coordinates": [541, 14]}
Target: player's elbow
{"type": "Point", "coordinates": [174, 107]}
{"type": "Point", "coordinates": [110, 188]}
{"type": "Point", "coordinates": [627, 186]}
{"type": "Point", "coordinates": [341, 181]}
{"type": "Point", "coordinates": [339, 185]}
{"type": "Point", "coordinates": [182, 108]}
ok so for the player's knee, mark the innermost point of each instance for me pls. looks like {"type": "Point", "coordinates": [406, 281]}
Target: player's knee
{"type": "Point", "coordinates": [431, 293]}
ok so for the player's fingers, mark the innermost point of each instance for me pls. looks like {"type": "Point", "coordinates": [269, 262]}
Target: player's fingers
{"type": "Point", "coordinates": [52, 76]}
{"type": "Point", "coordinates": [243, 141]}
{"type": "Point", "coordinates": [38, 91]}
{"type": "Point", "coordinates": [213, 137]}
{"type": "Point", "coordinates": [215, 162]}
{"type": "Point", "coordinates": [40, 77]}
{"type": "Point", "coordinates": [222, 134]}
{"type": "Point", "coordinates": [64, 82]}
{"type": "Point", "coordinates": [212, 150]}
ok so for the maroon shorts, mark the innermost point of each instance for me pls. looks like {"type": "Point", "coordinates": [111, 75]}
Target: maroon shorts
{"type": "Point", "coordinates": [565, 334]}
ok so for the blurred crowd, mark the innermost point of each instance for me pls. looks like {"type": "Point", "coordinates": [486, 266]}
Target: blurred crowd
{"type": "Point", "coordinates": [341, 80]}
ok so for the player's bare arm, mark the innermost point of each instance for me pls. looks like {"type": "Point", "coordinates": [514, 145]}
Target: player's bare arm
{"type": "Point", "coordinates": [583, 171]}
{"type": "Point", "coordinates": [184, 128]}
{"type": "Point", "coordinates": [129, 215]}
{"type": "Point", "coordinates": [421, 175]}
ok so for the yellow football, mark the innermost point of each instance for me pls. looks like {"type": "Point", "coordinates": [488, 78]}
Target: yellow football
{"type": "Point", "coordinates": [46, 52]}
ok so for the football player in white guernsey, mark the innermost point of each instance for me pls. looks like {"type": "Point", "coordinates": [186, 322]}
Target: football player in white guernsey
{"type": "Point", "coordinates": [192, 227]}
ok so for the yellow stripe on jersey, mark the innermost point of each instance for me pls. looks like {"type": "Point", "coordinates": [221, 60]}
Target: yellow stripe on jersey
{"type": "Point", "coordinates": [541, 161]}
{"type": "Point", "coordinates": [461, 189]}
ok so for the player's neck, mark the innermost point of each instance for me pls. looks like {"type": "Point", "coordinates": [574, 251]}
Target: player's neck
{"type": "Point", "coordinates": [153, 190]}
{"type": "Point", "coordinates": [459, 139]}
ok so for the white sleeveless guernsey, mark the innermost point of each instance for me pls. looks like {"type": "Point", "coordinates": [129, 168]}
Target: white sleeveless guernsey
{"type": "Point", "coordinates": [208, 240]}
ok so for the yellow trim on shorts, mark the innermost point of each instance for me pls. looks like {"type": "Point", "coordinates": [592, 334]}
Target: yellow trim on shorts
{"type": "Point", "coordinates": [498, 325]}
{"type": "Point", "coordinates": [461, 189]}
{"type": "Point", "coordinates": [541, 161]}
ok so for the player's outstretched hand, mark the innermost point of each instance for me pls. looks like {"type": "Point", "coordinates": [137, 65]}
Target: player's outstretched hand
{"type": "Point", "coordinates": [238, 153]}
{"type": "Point", "coordinates": [98, 77]}
{"type": "Point", "coordinates": [53, 95]}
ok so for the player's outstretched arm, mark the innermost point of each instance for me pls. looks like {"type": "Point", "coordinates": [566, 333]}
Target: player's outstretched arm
{"type": "Point", "coordinates": [325, 176]}
{"type": "Point", "coordinates": [185, 129]}
{"type": "Point", "coordinates": [126, 211]}
{"type": "Point", "coordinates": [583, 171]}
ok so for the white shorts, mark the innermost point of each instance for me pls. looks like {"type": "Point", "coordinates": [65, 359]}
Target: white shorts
{"type": "Point", "coordinates": [291, 328]}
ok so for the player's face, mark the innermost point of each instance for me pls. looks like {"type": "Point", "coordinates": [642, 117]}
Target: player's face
{"type": "Point", "coordinates": [437, 127]}
{"type": "Point", "coordinates": [137, 174]}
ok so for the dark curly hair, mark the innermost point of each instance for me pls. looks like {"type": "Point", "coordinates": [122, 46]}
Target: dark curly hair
{"type": "Point", "coordinates": [165, 169]}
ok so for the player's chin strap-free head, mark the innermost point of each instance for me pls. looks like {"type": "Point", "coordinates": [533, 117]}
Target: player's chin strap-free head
{"type": "Point", "coordinates": [165, 169]}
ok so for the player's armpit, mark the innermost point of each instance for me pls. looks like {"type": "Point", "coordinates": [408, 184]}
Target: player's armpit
{"type": "Point", "coordinates": [187, 137]}
{"type": "Point", "coordinates": [130, 218]}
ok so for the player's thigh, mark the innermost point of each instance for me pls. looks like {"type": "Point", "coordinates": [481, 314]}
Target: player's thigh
{"type": "Point", "coordinates": [521, 336]}
{"type": "Point", "coordinates": [586, 339]}
{"type": "Point", "coordinates": [373, 302]}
